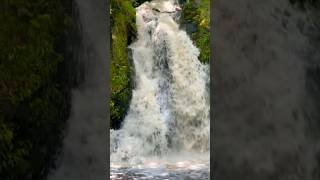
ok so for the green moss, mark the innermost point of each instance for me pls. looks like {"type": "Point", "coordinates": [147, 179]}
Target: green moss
{"type": "Point", "coordinates": [199, 14]}
{"type": "Point", "coordinates": [122, 28]}
{"type": "Point", "coordinates": [202, 40]}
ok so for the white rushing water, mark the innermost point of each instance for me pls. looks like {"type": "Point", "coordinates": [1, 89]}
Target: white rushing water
{"type": "Point", "coordinates": [169, 111]}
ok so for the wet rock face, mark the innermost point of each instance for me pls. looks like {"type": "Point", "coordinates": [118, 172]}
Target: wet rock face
{"type": "Point", "coordinates": [263, 105]}
{"type": "Point", "coordinates": [191, 28]}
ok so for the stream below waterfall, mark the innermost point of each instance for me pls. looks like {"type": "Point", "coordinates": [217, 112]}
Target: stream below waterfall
{"type": "Point", "coordinates": [159, 170]}
{"type": "Point", "coordinates": [166, 132]}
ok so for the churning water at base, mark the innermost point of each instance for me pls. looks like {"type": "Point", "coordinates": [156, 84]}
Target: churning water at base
{"type": "Point", "coordinates": [168, 118]}
{"type": "Point", "coordinates": [159, 169]}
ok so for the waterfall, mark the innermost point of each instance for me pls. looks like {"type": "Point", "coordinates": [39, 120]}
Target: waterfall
{"type": "Point", "coordinates": [169, 110]}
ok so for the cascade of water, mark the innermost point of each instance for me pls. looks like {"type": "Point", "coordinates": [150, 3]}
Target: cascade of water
{"type": "Point", "coordinates": [169, 110]}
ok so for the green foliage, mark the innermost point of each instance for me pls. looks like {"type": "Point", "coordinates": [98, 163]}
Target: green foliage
{"type": "Point", "coordinates": [199, 14]}
{"type": "Point", "coordinates": [122, 28]}
{"type": "Point", "coordinates": [30, 94]}
{"type": "Point", "coordinates": [12, 156]}
{"type": "Point", "coordinates": [202, 40]}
